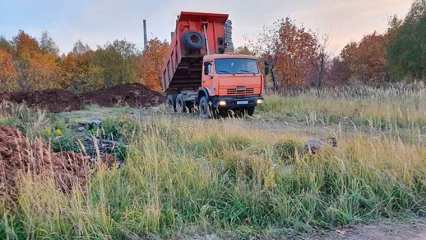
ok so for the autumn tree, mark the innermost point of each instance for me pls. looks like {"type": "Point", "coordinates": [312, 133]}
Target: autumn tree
{"type": "Point", "coordinates": [7, 72]}
{"type": "Point", "coordinates": [151, 63]}
{"type": "Point", "coordinates": [80, 73]}
{"type": "Point", "coordinates": [36, 70]}
{"type": "Point", "coordinates": [294, 52]}
{"type": "Point", "coordinates": [367, 59]}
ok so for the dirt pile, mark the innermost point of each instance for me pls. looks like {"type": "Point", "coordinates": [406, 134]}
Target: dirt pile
{"type": "Point", "coordinates": [50, 100]}
{"type": "Point", "coordinates": [18, 155]}
{"type": "Point", "coordinates": [134, 95]}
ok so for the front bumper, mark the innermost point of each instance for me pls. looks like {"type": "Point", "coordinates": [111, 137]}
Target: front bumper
{"type": "Point", "coordinates": [235, 102]}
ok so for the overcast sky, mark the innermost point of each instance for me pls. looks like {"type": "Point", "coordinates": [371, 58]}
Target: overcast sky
{"type": "Point", "coordinates": [98, 21]}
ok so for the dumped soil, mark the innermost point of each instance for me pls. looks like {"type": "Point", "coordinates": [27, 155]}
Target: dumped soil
{"type": "Point", "coordinates": [133, 95]}
{"type": "Point", "coordinates": [50, 100]}
{"type": "Point", "coordinates": [18, 155]}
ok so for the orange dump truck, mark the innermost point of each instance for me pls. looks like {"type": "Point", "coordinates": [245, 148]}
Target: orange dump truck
{"type": "Point", "coordinates": [199, 74]}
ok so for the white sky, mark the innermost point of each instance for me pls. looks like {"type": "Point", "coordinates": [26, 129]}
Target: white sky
{"type": "Point", "coordinates": [99, 21]}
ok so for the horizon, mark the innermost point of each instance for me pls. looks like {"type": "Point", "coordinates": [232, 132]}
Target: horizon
{"type": "Point", "coordinates": [90, 22]}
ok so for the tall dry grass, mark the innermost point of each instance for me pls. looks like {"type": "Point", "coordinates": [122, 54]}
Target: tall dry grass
{"type": "Point", "coordinates": [183, 174]}
{"type": "Point", "coordinates": [400, 112]}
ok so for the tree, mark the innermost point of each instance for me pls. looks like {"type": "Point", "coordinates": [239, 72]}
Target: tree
{"type": "Point", "coordinates": [294, 52]}
{"type": "Point", "coordinates": [367, 59]}
{"type": "Point", "coordinates": [80, 48]}
{"type": "Point", "coordinates": [47, 45]}
{"type": "Point", "coordinates": [338, 72]}
{"type": "Point", "coordinates": [7, 72]}
{"type": "Point", "coordinates": [118, 63]}
{"type": "Point", "coordinates": [80, 73]}
{"type": "Point", "coordinates": [151, 63]}
{"type": "Point", "coordinates": [6, 45]}
{"type": "Point", "coordinates": [36, 70]}
{"type": "Point", "coordinates": [406, 53]}
{"type": "Point", "coordinates": [417, 12]}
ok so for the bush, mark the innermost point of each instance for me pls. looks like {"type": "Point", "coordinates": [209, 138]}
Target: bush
{"type": "Point", "coordinates": [287, 151]}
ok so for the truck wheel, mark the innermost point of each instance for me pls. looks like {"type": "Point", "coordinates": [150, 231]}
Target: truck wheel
{"type": "Point", "coordinates": [250, 111]}
{"type": "Point", "coordinates": [193, 40]}
{"type": "Point", "coordinates": [204, 108]}
{"type": "Point", "coordinates": [171, 103]}
{"type": "Point", "coordinates": [180, 104]}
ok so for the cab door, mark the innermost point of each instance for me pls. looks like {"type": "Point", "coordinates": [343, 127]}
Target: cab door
{"type": "Point", "coordinates": [208, 78]}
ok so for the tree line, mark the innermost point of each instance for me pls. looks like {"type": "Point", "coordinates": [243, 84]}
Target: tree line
{"type": "Point", "coordinates": [29, 64]}
{"type": "Point", "coordinates": [295, 56]}
{"type": "Point", "coordinates": [298, 58]}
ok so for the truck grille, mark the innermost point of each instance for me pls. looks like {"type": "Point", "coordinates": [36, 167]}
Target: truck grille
{"type": "Point", "coordinates": [240, 91]}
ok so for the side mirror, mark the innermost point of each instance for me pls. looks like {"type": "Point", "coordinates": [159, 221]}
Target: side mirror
{"type": "Point", "coordinates": [206, 68]}
{"type": "Point", "coordinates": [267, 68]}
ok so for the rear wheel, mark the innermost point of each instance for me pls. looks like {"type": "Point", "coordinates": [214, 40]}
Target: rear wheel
{"type": "Point", "coordinates": [180, 104]}
{"type": "Point", "coordinates": [204, 108]}
{"type": "Point", "coordinates": [171, 103]}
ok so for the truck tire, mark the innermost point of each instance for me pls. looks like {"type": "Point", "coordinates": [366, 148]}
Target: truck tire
{"type": "Point", "coordinates": [204, 108]}
{"type": "Point", "coordinates": [180, 104]}
{"type": "Point", "coordinates": [193, 40]}
{"type": "Point", "coordinates": [250, 111]}
{"type": "Point", "coordinates": [171, 103]}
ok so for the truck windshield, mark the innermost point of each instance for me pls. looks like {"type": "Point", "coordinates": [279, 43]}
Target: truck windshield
{"type": "Point", "coordinates": [236, 66]}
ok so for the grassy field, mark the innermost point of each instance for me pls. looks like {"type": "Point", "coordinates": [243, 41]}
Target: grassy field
{"type": "Point", "coordinates": [183, 175]}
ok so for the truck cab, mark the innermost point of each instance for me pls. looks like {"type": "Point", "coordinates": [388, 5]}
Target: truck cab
{"type": "Point", "coordinates": [230, 82]}
{"type": "Point", "coordinates": [202, 73]}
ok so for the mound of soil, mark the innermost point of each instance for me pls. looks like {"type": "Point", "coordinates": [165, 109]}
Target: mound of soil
{"type": "Point", "coordinates": [134, 95]}
{"type": "Point", "coordinates": [50, 100]}
{"type": "Point", "coordinates": [18, 155]}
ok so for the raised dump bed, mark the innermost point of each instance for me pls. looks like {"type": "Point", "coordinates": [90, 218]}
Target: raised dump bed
{"type": "Point", "coordinates": [193, 32]}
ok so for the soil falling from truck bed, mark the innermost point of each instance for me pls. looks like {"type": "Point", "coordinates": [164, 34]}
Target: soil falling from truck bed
{"type": "Point", "coordinates": [133, 95]}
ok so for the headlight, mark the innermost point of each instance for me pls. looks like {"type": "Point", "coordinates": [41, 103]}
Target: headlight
{"type": "Point", "coordinates": [259, 101]}
{"type": "Point", "coordinates": [222, 103]}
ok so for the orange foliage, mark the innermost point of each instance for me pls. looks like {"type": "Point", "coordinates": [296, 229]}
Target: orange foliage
{"type": "Point", "coordinates": [36, 69]}
{"type": "Point", "coordinates": [79, 74]}
{"type": "Point", "coordinates": [150, 64]}
{"type": "Point", "coordinates": [367, 59]}
{"type": "Point", "coordinates": [7, 71]}
{"type": "Point", "coordinates": [295, 53]}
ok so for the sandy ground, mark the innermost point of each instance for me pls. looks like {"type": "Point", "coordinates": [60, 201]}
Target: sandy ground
{"type": "Point", "coordinates": [412, 230]}
{"type": "Point", "coordinates": [385, 230]}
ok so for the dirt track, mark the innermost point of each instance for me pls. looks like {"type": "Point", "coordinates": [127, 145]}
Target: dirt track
{"type": "Point", "coordinates": [387, 230]}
